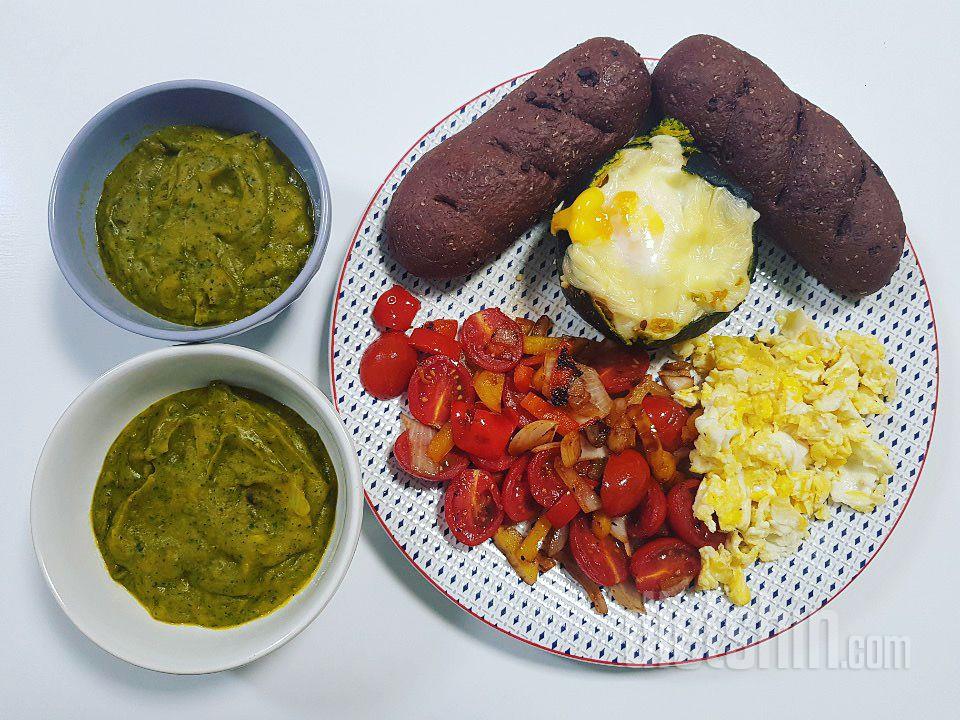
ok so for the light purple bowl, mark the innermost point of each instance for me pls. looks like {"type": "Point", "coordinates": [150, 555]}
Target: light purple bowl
{"type": "Point", "coordinates": [111, 134]}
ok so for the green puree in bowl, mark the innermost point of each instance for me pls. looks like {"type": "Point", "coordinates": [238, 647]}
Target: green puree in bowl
{"type": "Point", "coordinates": [214, 506]}
{"type": "Point", "coordinates": [201, 227]}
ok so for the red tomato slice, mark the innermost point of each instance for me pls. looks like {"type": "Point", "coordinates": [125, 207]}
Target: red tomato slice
{"type": "Point", "coordinates": [619, 369]}
{"type": "Point", "coordinates": [434, 343]}
{"type": "Point", "coordinates": [664, 567]}
{"type": "Point", "coordinates": [603, 561]}
{"type": "Point", "coordinates": [493, 466]}
{"type": "Point", "coordinates": [545, 486]}
{"type": "Point", "coordinates": [472, 507]}
{"type": "Point", "coordinates": [395, 309]}
{"type": "Point", "coordinates": [668, 417]}
{"type": "Point", "coordinates": [435, 384]}
{"type": "Point", "coordinates": [444, 327]}
{"type": "Point", "coordinates": [517, 501]}
{"type": "Point", "coordinates": [479, 431]}
{"type": "Point", "coordinates": [649, 518]}
{"type": "Point", "coordinates": [453, 464]}
{"type": "Point", "coordinates": [626, 479]}
{"type": "Point", "coordinates": [386, 365]}
{"type": "Point", "coordinates": [564, 510]}
{"type": "Point", "coordinates": [511, 404]}
{"type": "Point", "coordinates": [684, 524]}
{"type": "Point", "coordinates": [492, 340]}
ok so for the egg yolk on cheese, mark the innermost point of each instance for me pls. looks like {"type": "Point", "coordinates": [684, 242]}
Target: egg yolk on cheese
{"type": "Point", "coordinates": [657, 247]}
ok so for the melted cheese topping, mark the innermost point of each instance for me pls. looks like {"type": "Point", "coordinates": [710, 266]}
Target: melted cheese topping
{"type": "Point", "coordinates": [657, 247]}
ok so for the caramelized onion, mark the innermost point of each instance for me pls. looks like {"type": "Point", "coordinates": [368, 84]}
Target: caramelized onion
{"type": "Point", "coordinates": [590, 587]}
{"type": "Point", "coordinates": [557, 541]}
{"type": "Point", "coordinates": [596, 432]}
{"type": "Point", "coordinates": [419, 436]}
{"type": "Point", "coordinates": [542, 327]}
{"type": "Point", "coordinates": [627, 595]}
{"type": "Point", "coordinates": [570, 448]}
{"type": "Point", "coordinates": [587, 499]}
{"type": "Point", "coordinates": [589, 400]}
{"type": "Point", "coordinates": [531, 435]}
{"type": "Point", "coordinates": [649, 386]}
{"type": "Point", "coordinates": [618, 528]}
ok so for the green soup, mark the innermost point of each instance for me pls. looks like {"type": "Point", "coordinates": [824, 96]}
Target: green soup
{"type": "Point", "coordinates": [200, 227]}
{"type": "Point", "coordinates": [214, 506]}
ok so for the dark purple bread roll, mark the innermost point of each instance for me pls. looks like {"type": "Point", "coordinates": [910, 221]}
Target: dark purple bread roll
{"type": "Point", "coordinates": [468, 199]}
{"type": "Point", "coordinates": [819, 194]}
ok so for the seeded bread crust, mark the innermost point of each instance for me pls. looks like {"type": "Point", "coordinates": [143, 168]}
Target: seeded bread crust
{"type": "Point", "coordinates": [819, 194]}
{"type": "Point", "coordinates": [467, 200]}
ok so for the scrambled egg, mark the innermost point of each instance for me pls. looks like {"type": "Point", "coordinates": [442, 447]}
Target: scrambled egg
{"type": "Point", "coordinates": [782, 432]}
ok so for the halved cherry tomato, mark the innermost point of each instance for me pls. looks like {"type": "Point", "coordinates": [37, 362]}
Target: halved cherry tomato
{"type": "Point", "coordinates": [480, 432]}
{"type": "Point", "coordinates": [545, 485]}
{"type": "Point", "coordinates": [619, 369]}
{"type": "Point", "coordinates": [435, 384]}
{"type": "Point", "coordinates": [453, 464]}
{"type": "Point", "coordinates": [664, 567]}
{"type": "Point", "coordinates": [472, 507]}
{"type": "Point", "coordinates": [434, 343]}
{"type": "Point", "coordinates": [603, 561]}
{"type": "Point", "coordinates": [395, 309]}
{"type": "Point", "coordinates": [387, 364]}
{"type": "Point", "coordinates": [682, 521]}
{"type": "Point", "coordinates": [442, 326]}
{"type": "Point", "coordinates": [626, 479]}
{"type": "Point", "coordinates": [518, 503]}
{"type": "Point", "coordinates": [564, 510]}
{"type": "Point", "coordinates": [668, 418]}
{"type": "Point", "coordinates": [497, 465]}
{"type": "Point", "coordinates": [492, 340]}
{"type": "Point", "coordinates": [649, 518]}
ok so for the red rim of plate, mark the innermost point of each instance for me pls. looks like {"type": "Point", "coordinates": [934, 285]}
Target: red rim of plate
{"type": "Point", "coordinates": [553, 651]}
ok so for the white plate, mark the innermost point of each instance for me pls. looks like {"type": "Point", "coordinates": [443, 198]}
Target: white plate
{"type": "Point", "coordinates": [63, 490]}
{"type": "Point", "coordinates": [554, 614]}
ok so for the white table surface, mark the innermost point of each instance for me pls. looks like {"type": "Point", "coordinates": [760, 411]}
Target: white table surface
{"type": "Point", "coordinates": [364, 81]}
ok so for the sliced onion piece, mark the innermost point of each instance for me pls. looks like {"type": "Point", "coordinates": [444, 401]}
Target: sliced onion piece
{"type": "Point", "coordinates": [618, 528]}
{"type": "Point", "coordinates": [649, 386]}
{"type": "Point", "coordinates": [557, 541]}
{"type": "Point", "coordinates": [589, 452]}
{"type": "Point", "coordinates": [590, 587]}
{"type": "Point", "coordinates": [419, 436]}
{"type": "Point", "coordinates": [549, 364]}
{"type": "Point", "coordinates": [589, 400]}
{"type": "Point", "coordinates": [546, 446]}
{"type": "Point", "coordinates": [531, 435]}
{"type": "Point", "coordinates": [596, 433]}
{"type": "Point", "coordinates": [571, 448]}
{"type": "Point", "coordinates": [627, 595]}
{"type": "Point", "coordinates": [676, 383]}
{"type": "Point", "coordinates": [587, 499]}
{"type": "Point", "coordinates": [542, 327]}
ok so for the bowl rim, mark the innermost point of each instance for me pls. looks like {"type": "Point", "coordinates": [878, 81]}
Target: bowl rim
{"type": "Point", "coordinates": [322, 219]}
{"type": "Point", "coordinates": [340, 556]}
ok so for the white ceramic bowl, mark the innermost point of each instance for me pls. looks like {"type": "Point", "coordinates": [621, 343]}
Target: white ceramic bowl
{"type": "Point", "coordinates": [67, 474]}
